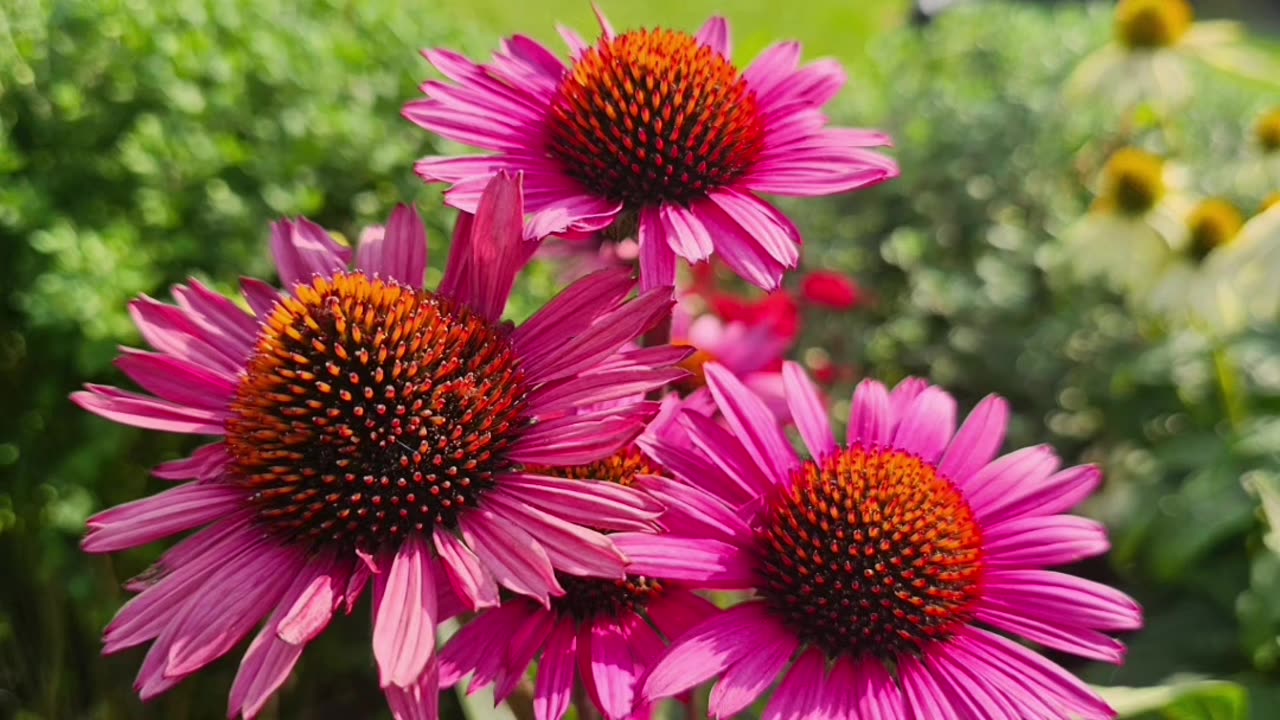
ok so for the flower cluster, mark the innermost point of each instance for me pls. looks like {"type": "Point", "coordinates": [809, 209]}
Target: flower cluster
{"type": "Point", "coordinates": [606, 490]}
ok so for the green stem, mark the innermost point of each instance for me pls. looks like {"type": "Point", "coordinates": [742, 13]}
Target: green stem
{"type": "Point", "coordinates": [1233, 399]}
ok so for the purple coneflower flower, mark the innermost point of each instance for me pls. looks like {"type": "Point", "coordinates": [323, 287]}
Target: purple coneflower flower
{"type": "Point", "coordinates": [652, 133]}
{"type": "Point", "coordinates": [880, 568]}
{"type": "Point", "coordinates": [602, 634]}
{"type": "Point", "coordinates": [373, 429]}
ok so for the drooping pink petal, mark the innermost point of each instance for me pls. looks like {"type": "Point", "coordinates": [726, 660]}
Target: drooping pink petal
{"type": "Point", "coordinates": [208, 627]}
{"type": "Point", "coordinates": [603, 337]}
{"type": "Point", "coordinates": [479, 648]}
{"type": "Point", "coordinates": [748, 678]}
{"type": "Point", "coordinates": [877, 694]}
{"type": "Point", "coordinates": [742, 251]}
{"type": "Point", "coordinates": [657, 261]}
{"type": "Point", "coordinates": [698, 562]}
{"type": "Point", "coordinates": [808, 411]}
{"type": "Point", "coordinates": [303, 249]}
{"type": "Point", "coordinates": [776, 234]}
{"type": "Point", "coordinates": [153, 518]}
{"type": "Point", "coordinates": [468, 576]}
{"type": "Point", "coordinates": [978, 440]}
{"type": "Point", "coordinates": [685, 233]}
{"type": "Point", "coordinates": [800, 693]}
{"type": "Point", "coordinates": [571, 548]}
{"type": "Point", "coordinates": [752, 422]}
{"type": "Point", "coordinates": [266, 665]}
{"type": "Point", "coordinates": [609, 505]}
{"type": "Point", "coordinates": [677, 612]}
{"type": "Point", "coordinates": [515, 559]}
{"type": "Point", "coordinates": [569, 314]}
{"type": "Point", "coordinates": [613, 669]}
{"type": "Point", "coordinates": [924, 697]}
{"type": "Point", "coordinates": [554, 689]}
{"type": "Point", "coordinates": [419, 701]}
{"type": "Point", "coordinates": [404, 615]}
{"type": "Point", "coordinates": [706, 651]}
{"type": "Point", "coordinates": [521, 649]}
{"type": "Point", "coordinates": [691, 512]}
{"type": "Point", "coordinates": [399, 252]}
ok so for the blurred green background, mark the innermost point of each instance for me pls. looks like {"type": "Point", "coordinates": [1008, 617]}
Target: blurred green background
{"type": "Point", "coordinates": [142, 142]}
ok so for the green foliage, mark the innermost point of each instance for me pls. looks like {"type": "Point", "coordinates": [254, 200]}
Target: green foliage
{"type": "Point", "coordinates": [142, 142]}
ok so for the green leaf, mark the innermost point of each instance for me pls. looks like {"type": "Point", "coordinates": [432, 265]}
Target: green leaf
{"type": "Point", "coordinates": [1181, 699]}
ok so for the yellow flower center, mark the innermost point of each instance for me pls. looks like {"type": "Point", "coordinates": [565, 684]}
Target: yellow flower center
{"type": "Point", "coordinates": [1270, 201]}
{"type": "Point", "coordinates": [1132, 182]}
{"type": "Point", "coordinates": [1213, 223]}
{"type": "Point", "coordinates": [1150, 24]}
{"type": "Point", "coordinates": [1267, 131]}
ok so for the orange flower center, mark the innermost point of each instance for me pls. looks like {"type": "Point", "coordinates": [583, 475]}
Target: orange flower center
{"type": "Point", "coordinates": [653, 116]}
{"type": "Point", "coordinates": [1149, 24]}
{"type": "Point", "coordinates": [370, 411]}
{"type": "Point", "coordinates": [870, 553]}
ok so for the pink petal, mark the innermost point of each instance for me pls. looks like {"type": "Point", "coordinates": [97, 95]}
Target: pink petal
{"type": "Point", "coordinates": [1059, 492]}
{"type": "Point", "coordinates": [657, 261]}
{"type": "Point", "coordinates": [610, 506]}
{"type": "Point", "coordinates": [303, 249]}
{"type": "Point", "coordinates": [554, 688]}
{"type": "Point", "coordinates": [685, 233]}
{"type": "Point", "coordinates": [497, 246]}
{"type": "Point", "coordinates": [754, 673]}
{"type": "Point", "coordinates": [978, 440]}
{"type": "Point", "coordinates": [752, 422]}
{"type": "Point", "coordinates": [171, 331]}
{"type": "Point", "coordinates": [770, 229]}
{"type": "Point", "coordinates": [179, 381]}
{"type": "Point", "coordinates": [468, 576]}
{"type": "Point", "coordinates": [773, 67]}
{"type": "Point", "coordinates": [927, 425]}
{"type": "Point", "coordinates": [262, 298]}
{"type": "Point", "coordinates": [693, 512]}
{"type": "Point", "coordinates": [600, 387]}
{"type": "Point", "coordinates": [571, 548]}
{"type": "Point", "coordinates": [924, 697]}
{"type": "Point", "coordinates": [479, 648]}
{"type": "Point", "coordinates": [603, 337]}
{"type": "Point", "coordinates": [517, 561]}
{"type": "Point", "coordinates": [737, 468]}
{"type": "Point", "coordinates": [206, 463]}
{"type": "Point", "coordinates": [404, 615]}
{"type": "Point", "coordinates": [1086, 643]}
{"type": "Point", "coordinates": [869, 421]}
{"type": "Point", "coordinates": [706, 651]}
{"type": "Point", "coordinates": [582, 439]}
{"type": "Point", "coordinates": [418, 701]}
{"type": "Point", "coordinates": [999, 484]}
{"type": "Point", "coordinates": [799, 695]}
{"type": "Point", "coordinates": [1065, 599]}
{"type": "Point", "coordinates": [148, 413]}
{"type": "Point", "coordinates": [1035, 673]}
{"type": "Point", "coordinates": [266, 665]}
{"type": "Point", "coordinates": [1043, 541]}
{"type": "Point", "coordinates": [878, 697]}
{"type": "Point", "coordinates": [613, 669]}
{"type": "Point", "coordinates": [740, 250]}
{"type": "Point", "coordinates": [568, 314]}
{"type": "Point", "coordinates": [808, 411]}
{"type": "Point", "coordinates": [168, 513]}
{"type": "Point", "coordinates": [521, 648]}
{"type": "Point", "coordinates": [698, 562]}
{"type": "Point", "coordinates": [715, 35]}
{"type": "Point", "coordinates": [399, 252]}
{"type": "Point", "coordinates": [217, 315]}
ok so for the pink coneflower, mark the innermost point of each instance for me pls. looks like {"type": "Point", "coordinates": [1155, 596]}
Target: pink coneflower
{"type": "Point", "coordinates": [652, 133]}
{"type": "Point", "coordinates": [879, 567]}
{"type": "Point", "coordinates": [373, 429]}
{"type": "Point", "coordinates": [602, 635]}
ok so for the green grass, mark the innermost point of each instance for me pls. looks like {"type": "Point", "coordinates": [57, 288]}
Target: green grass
{"type": "Point", "coordinates": [838, 29]}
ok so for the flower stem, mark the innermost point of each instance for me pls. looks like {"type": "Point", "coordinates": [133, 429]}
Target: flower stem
{"type": "Point", "coordinates": [1233, 400]}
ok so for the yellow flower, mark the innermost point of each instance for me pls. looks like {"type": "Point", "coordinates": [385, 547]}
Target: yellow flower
{"type": "Point", "coordinates": [1136, 225]}
{"type": "Point", "coordinates": [1267, 131]}
{"type": "Point", "coordinates": [1149, 57]}
{"type": "Point", "coordinates": [1152, 23]}
{"type": "Point", "coordinates": [1226, 278]}
{"type": "Point", "coordinates": [1213, 224]}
